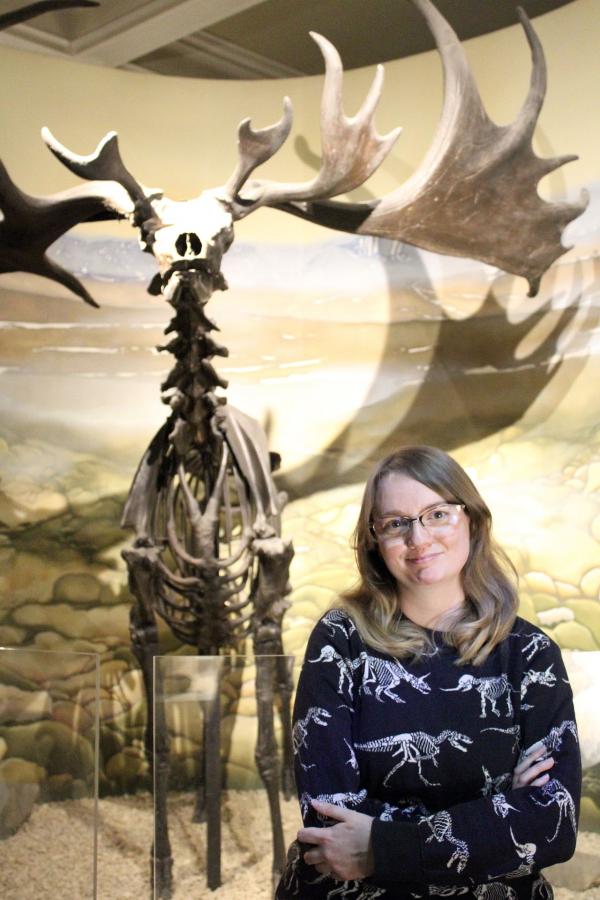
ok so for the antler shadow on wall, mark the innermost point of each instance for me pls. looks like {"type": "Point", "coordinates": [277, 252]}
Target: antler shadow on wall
{"type": "Point", "coordinates": [475, 384]}
{"type": "Point", "coordinates": [484, 372]}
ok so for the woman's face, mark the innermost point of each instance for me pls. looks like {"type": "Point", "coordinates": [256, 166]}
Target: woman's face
{"type": "Point", "coordinates": [422, 558]}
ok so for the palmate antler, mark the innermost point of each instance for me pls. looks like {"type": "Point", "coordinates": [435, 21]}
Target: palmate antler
{"type": "Point", "coordinates": [29, 225]}
{"type": "Point", "coordinates": [475, 193]}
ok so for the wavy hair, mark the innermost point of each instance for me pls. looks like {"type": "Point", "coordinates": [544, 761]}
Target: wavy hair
{"type": "Point", "coordinates": [488, 577]}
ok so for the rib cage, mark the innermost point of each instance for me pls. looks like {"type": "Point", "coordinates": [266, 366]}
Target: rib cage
{"type": "Point", "coordinates": [203, 523]}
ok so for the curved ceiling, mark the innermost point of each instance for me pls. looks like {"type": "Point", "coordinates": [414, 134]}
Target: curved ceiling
{"type": "Point", "coordinates": [247, 39]}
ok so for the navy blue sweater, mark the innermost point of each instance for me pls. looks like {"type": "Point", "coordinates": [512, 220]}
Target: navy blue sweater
{"type": "Point", "coordinates": [428, 748]}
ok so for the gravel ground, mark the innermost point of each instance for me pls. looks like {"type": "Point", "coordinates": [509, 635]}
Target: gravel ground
{"type": "Point", "coordinates": [65, 830]}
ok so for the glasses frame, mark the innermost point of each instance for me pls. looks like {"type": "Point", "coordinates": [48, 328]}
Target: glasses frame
{"type": "Point", "coordinates": [412, 519]}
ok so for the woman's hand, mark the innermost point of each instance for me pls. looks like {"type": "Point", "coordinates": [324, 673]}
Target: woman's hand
{"type": "Point", "coordinates": [532, 768]}
{"type": "Point", "coordinates": [342, 850]}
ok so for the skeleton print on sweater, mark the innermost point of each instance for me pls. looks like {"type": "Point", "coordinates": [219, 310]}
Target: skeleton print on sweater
{"type": "Point", "coordinates": [428, 749]}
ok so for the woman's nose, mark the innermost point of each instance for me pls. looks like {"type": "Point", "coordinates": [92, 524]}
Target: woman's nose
{"type": "Point", "coordinates": [418, 534]}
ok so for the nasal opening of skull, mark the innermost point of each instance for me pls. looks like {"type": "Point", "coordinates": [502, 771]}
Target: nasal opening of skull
{"type": "Point", "coordinates": [188, 244]}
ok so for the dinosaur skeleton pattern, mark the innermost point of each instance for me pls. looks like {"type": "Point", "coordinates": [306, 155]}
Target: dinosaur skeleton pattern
{"type": "Point", "coordinates": [545, 677]}
{"type": "Point", "coordinates": [553, 740]}
{"type": "Point", "coordinates": [345, 666]}
{"type": "Point", "coordinates": [494, 785]}
{"type": "Point", "coordinates": [413, 806]}
{"type": "Point", "coordinates": [388, 811]}
{"type": "Point", "coordinates": [490, 689]}
{"type": "Point", "coordinates": [347, 799]}
{"type": "Point", "coordinates": [338, 619]}
{"type": "Point", "coordinates": [385, 675]}
{"type": "Point", "coordinates": [352, 760]}
{"type": "Point", "coordinates": [526, 853]}
{"type": "Point", "coordinates": [416, 747]}
{"type": "Point", "coordinates": [357, 890]}
{"type": "Point", "coordinates": [208, 557]}
{"type": "Point", "coordinates": [315, 714]}
{"type": "Point", "coordinates": [447, 890]}
{"type": "Point", "coordinates": [501, 805]}
{"type": "Point", "coordinates": [389, 674]}
{"type": "Point", "coordinates": [441, 830]}
{"type": "Point", "coordinates": [541, 890]}
{"type": "Point", "coordinates": [538, 641]}
{"type": "Point", "coordinates": [290, 879]}
{"type": "Point", "coordinates": [555, 793]}
{"type": "Point", "coordinates": [515, 730]}
{"type": "Point", "coordinates": [494, 891]}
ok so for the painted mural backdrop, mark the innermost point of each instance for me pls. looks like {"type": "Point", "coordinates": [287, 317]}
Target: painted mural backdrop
{"type": "Point", "coordinates": [343, 349]}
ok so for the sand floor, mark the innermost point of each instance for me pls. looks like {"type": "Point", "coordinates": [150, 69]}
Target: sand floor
{"type": "Point", "coordinates": [52, 855]}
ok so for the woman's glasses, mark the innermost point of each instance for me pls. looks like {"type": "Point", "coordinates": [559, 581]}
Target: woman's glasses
{"type": "Point", "coordinates": [437, 521]}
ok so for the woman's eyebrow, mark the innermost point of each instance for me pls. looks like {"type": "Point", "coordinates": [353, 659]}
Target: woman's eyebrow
{"type": "Point", "coordinates": [401, 515]}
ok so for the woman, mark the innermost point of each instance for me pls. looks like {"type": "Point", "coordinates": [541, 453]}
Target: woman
{"type": "Point", "coordinates": [435, 739]}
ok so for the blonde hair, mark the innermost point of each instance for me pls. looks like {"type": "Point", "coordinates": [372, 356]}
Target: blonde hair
{"type": "Point", "coordinates": [489, 578]}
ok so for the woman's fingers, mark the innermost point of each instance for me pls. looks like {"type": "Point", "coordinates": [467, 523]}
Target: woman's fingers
{"type": "Point", "coordinates": [536, 770]}
{"type": "Point", "coordinates": [330, 810]}
{"type": "Point", "coordinates": [311, 836]}
{"type": "Point", "coordinates": [531, 769]}
{"type": "Point", "coordinates": [314, 857]}
{"type": "Point", "coordinates": [540, 781]}
{"type": "Point", "coordinates": [530, 756]}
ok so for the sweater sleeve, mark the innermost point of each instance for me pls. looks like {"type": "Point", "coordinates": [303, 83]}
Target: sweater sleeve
{"type": "Point", "coordinates": [506, 834]}
{"type": "Point", "coordinates": [325, 763]}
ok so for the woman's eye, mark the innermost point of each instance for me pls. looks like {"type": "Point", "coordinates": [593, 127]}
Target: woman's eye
{"type": "Point", "coordinates": [394, 525]}
{"type": "Point", "coordinates": [438, 515]}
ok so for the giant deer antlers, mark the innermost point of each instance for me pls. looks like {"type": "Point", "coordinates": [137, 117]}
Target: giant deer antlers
{"type": "Point", "coordinates": [474, 195]}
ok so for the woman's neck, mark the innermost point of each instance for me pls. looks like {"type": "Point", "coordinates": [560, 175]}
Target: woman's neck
{"type": "Point", "coordinates": [426, 608]}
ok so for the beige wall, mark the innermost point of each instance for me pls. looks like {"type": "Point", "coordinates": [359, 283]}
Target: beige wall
{"type": "Point", "coordinates": [179, 134]}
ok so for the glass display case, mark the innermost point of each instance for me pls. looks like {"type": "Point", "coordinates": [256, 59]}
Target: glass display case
{"type": "Point", "coordinates": [48, 774]}
{"type": "Point", "coordinates": [225, 805]}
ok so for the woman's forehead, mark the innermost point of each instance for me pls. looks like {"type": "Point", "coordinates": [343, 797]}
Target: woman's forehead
{"type": "Point", "coordinates": [398, 493]}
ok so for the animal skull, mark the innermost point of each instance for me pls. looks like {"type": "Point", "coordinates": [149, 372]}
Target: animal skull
{"type": "Point", "coordinates": [190, 236]}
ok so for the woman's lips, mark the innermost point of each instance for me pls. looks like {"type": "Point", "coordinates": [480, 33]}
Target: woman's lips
{"type": "Point", "coordinates": [422, 559]}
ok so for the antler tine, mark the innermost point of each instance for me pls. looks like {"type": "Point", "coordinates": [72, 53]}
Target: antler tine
{"type": "Point", "coordinates": [526, 120]}
{"type": "Point", "coordinates": [104, 164]}
{"type": "Point", "coordinates": [528, 115]}
{"type": "Point", "coordinates": [475, 194]}
{"type": "Point", "coordinates": [363, 149]}
{"type": "Point", "coordinates": [352, 150]}
{"type": "Point", "coordinates": [256, 147]}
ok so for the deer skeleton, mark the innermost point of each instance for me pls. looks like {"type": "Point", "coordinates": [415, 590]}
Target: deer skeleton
{"type": "Point", "coordinates": [208, 556]}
